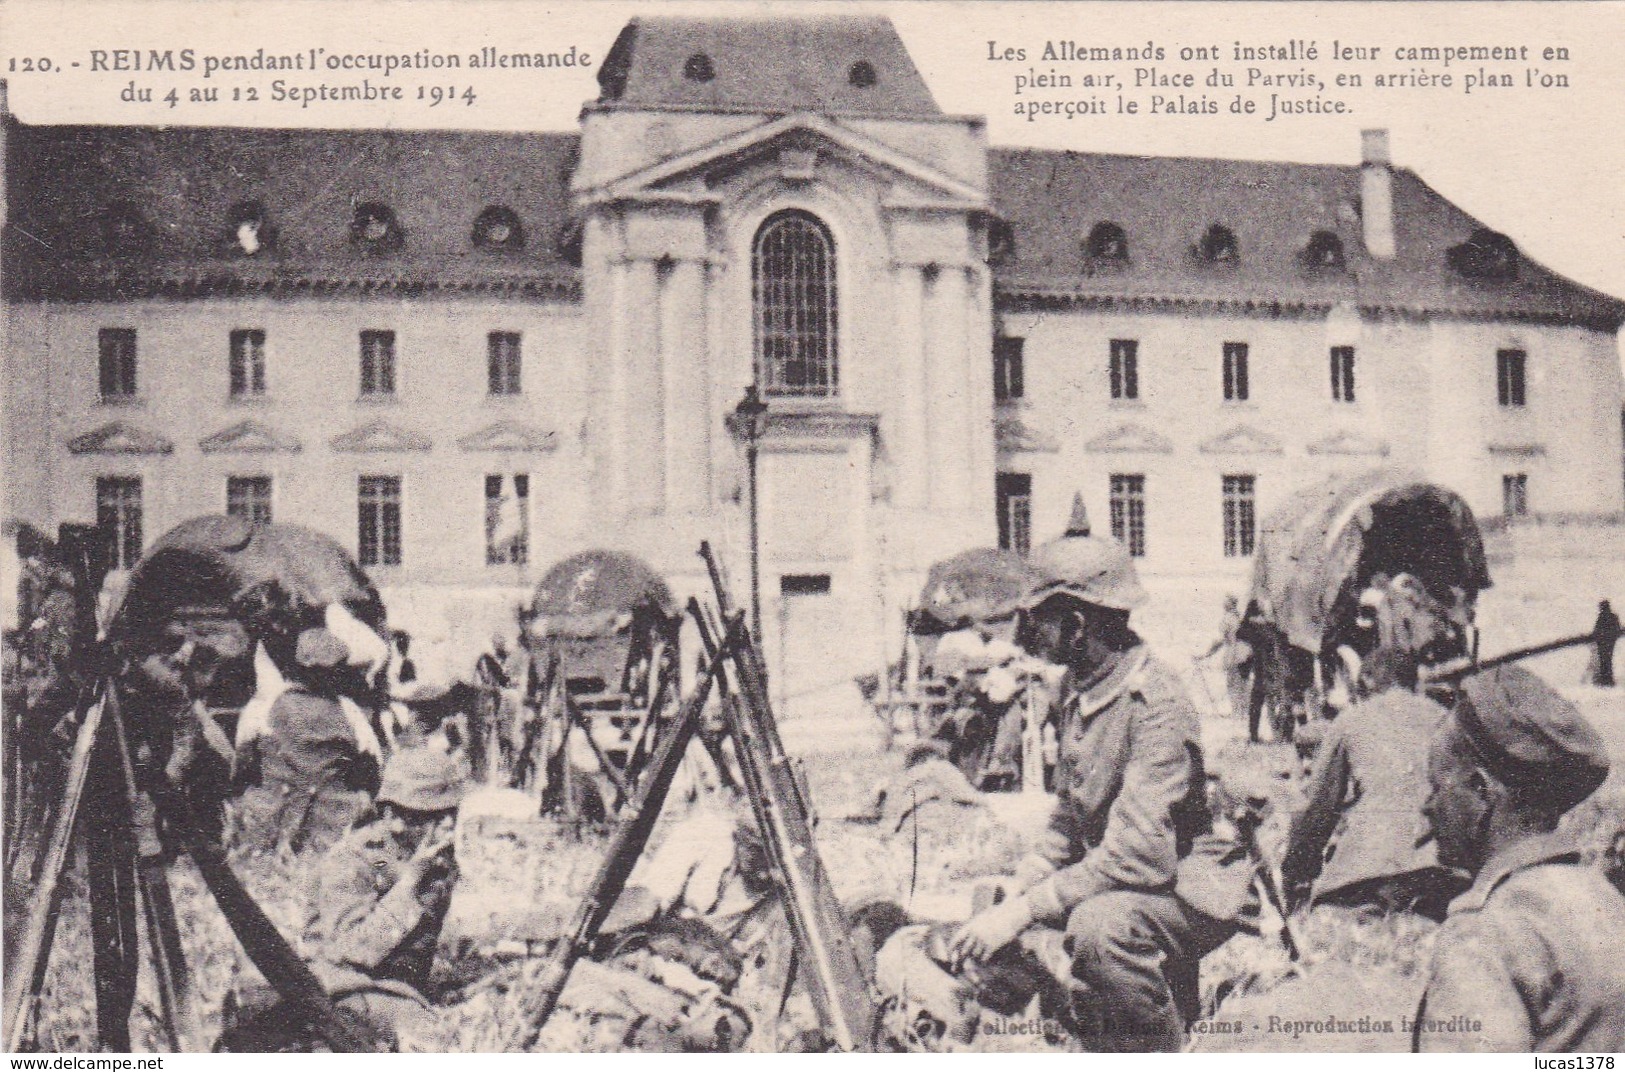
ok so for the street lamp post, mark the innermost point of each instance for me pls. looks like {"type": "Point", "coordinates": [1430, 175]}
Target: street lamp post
{"type": "Point", "coordinates": [750, 421]}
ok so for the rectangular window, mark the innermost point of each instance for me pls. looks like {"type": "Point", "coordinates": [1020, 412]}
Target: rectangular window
{"type": "Point", "coordinates": [1128, 512]}
{"type": "Point", "coordinates": [1235, 372]}
{"type": "Point", "coordinates": [503, 362]}
{"type": "Point", "coordinates": [1509, 376]}
{"type": "Point", "coordinates": [379, 509]}
{"type": "Point", "coordinates": [118, 513]}
{"type": "Point", "coordinates": [249, 497]}
{"type": "Point", "coordinates": [1240, 516]}
{"type": "Point", "coordinates": [116, 362]}
{"type": "Point", "coordinates": [507, 519]}
{"type": "Point", "coordinates": [1515, 494]}
{"type": "Point", "coordinates": [1342, 374]}
{"type": "Point", "coordinates": [377, 362]}
{"type": "Point", "coordinates": [247, 362]}
{"type": "Point", "coordinates": [1008, 374]}
{"type": "Point", "coordinates": [1125, 369]}
{"type": "Point", "coordinates": [1015, 505]}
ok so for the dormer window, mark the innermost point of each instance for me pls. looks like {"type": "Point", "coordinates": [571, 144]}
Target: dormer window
{"type": "Point", "coordinates": [498, 228]}
{"type": "Point", "coordinates": [1486, 255]}
{"type": "Point", "coordinates": [1001, 242]}
{"type": "Point", "coordinates": [862, 74]}
{"type": "Point", "coordinates": [247, 231]}
{"type": "Point", "coordinates": [697, 68]}
{"type": "Point", "coordinates": [124, 229]}
{"type": "Point", "coordinates": [1325, 250]}
{"type": "Point", "coordinates": [1107, 242]}
{"type": "Point", "coordinates": [375, 228]}
{"type": "Point", "coordinates": [1218, 246]}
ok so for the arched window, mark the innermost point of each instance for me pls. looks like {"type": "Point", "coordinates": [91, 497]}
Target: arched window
{"type": "Point", "coordinates": [792, 275]}
{"type": "Point", "coordinates": [1107, 242]}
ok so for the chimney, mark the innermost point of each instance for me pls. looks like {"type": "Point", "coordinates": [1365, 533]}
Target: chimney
{"type": "Point", "coordinates": [1377, 194]}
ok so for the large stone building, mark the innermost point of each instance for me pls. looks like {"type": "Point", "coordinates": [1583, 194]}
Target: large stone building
{"type": "Point", "coordinates": [467, 355]}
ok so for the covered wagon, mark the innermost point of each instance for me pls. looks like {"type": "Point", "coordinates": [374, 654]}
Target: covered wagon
{"type": "Point", "coordinates": [601, 633]}
{"type": "Point", "coordinates": [1357, 580]}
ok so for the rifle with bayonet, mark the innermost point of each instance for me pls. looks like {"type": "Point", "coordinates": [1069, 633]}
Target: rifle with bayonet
{"type": "Point", "coordinates": [827, 959]}
{"type": "Point", "coordinates": [631, 835]}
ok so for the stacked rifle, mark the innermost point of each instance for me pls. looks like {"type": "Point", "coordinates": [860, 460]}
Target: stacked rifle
{"type": "Point", "coordinates": [825, 957]}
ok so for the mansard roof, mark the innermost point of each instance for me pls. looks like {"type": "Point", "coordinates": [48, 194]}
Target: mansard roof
{"type": "Point", "coordinates": [1053, 200]}
{"type": "Point", "coordinates": [125, 212]}
{"type": "Point", "coordinates": [184, 188]}
{"type": "Point", "coordinates": [765, 65]}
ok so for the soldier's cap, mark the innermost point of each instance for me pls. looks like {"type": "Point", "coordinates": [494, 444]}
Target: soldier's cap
{"type": "Point", "coordinates": [424, 778]}
{"type": "Point", "coordinates": [1528, 736]}
{"type": "Point", "coordinates": [319, 648]}
{"type": "Point", "coordinates": [1093, 569]}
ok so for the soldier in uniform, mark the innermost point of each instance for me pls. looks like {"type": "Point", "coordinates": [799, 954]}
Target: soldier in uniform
{"type": "Point", "coordinates": [1528, 958]}
{"type": "Point", "coordinates": [315, 776]}
{"type": "Point", "coordinates": [1128, 863]}
{"type": "Point", "coordinates": [382, 893]}
{"type": "Point", "coordinates": [1365, 802]}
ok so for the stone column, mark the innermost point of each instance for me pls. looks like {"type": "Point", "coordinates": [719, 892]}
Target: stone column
{"type": "Point", "coordinates": [911, 390]}
{"type": "Point", "coordinates": [643, 449]}
{"type": "Point", "coordinates": [682, 323]}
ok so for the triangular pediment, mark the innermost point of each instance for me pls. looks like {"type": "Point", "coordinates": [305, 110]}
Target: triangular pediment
{"type": "Point", "coordinates": [120, 437]}
{"type": "Point", "coordinates": [797, 145]}
{"type": "Point", "coordinates": [1348, 442]}
{"type": "Point", "coordinates": [1129, 439]}
{"type": "Point", "coordinates": [379, 437]}
{"type": "Point", "coordinates": [1013, 434]}
{"type": "Point", "coordinates": [1242, 439]}
{"type": "Point", "coordinates": [509, 435]}
{"type": "Point", "coordinates": [248, 437]}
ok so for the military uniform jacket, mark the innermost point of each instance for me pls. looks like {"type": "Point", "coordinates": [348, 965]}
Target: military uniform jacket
{"type": "Point", "coordinates": [1529, 958]}
{"type": "Point", "coordinates": [1367, 788]}
{"type": "Point", "coordinates": [1131, 810]}
{"type": "Point", "coordinates": [313, 746]}
{"type": "Point", "coordinates": [368, 928]}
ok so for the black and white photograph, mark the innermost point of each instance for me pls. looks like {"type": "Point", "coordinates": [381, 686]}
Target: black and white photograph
{"type": "Point", "coordinates": [798, 527]}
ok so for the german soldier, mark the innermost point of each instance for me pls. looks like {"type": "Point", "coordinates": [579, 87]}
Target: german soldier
{"type": "Point", "coordinates": [1144, 895]}
{"type": "Point", "coordinates": [315, 776]}
{"type": "Point", "coordinates": [383, 892]}
{"type": "Point", "coordinates": [1528, 958]}
{"type": "Point", "coordinates": [1365, 801]}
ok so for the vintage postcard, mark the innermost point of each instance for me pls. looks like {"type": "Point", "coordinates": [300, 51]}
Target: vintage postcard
{"type": "Point", "coordinates": [778, 527]}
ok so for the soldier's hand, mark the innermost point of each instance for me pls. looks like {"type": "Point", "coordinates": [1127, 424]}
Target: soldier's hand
{"type": "Point", "coordinates": [434, 851]}
{"type": "Point", "coordinates": [987, 932]}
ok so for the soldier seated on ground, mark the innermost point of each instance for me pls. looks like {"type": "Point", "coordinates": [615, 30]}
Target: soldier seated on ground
{"type": "Point", "coordinates": [316, 774]}
{"type": "Point", "coordinates": [1529, 956]}
{"type": "Point", "coordinates": [1362, 840]}
{"type": "Point", "coordinates": [1128, 866]}
{"type": "Point", "coordinates": [380, 898]}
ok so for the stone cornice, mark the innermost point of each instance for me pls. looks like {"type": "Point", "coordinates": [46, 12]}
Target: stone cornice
{"type": "Point", "coordinates": [1054, 297]}
{"type": "Point", "coordinates": [122, 283]}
